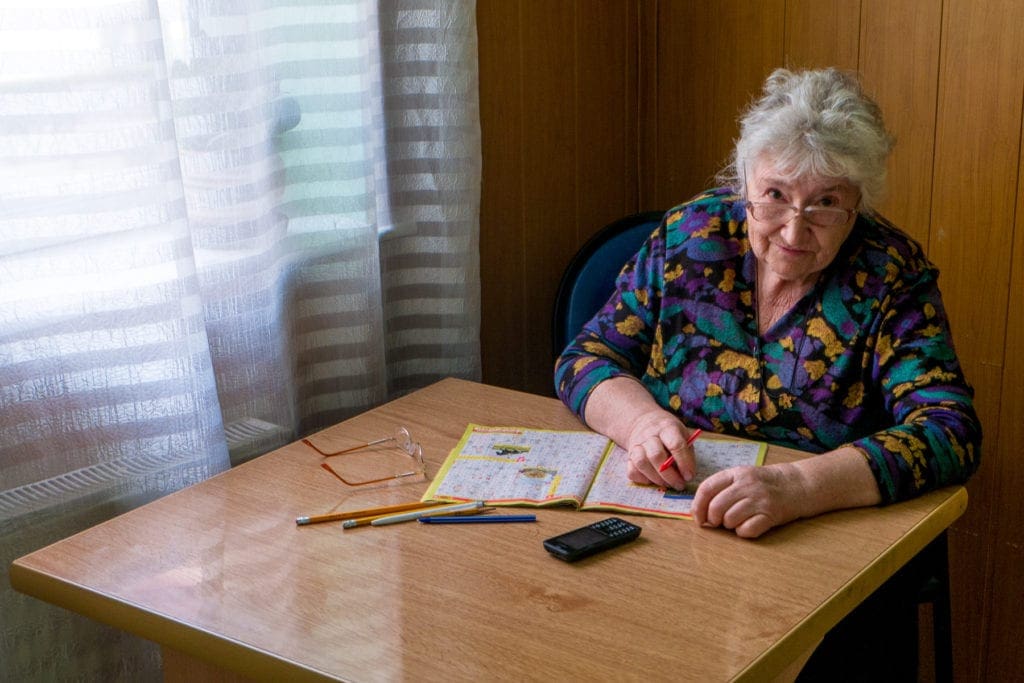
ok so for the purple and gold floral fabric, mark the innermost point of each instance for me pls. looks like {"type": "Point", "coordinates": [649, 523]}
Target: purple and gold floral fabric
{"type": "Point", "coordinates": [865, 358]}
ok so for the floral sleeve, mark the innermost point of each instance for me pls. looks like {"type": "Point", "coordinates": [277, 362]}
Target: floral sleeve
{"type": "Point", "coordinates": [937, 435]}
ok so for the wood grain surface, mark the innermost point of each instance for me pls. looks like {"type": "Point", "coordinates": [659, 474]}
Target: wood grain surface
{"type": "Point", "coordinates": [221, 573]}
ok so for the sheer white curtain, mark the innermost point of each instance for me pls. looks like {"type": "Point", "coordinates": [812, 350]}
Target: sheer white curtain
{"type": "Point", "coordinates": [223, 224]}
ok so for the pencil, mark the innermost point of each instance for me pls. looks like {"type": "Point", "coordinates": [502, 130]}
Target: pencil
{"type": "Point", "coordinates": [689, 441]}
{"type": "Point", "coordinates": [368, 512]}
{"type": "Point", "coordinates": [416, 514]}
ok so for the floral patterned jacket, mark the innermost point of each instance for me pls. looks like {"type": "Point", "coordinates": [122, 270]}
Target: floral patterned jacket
{"type": "Point", "coordinates": [866, 358]}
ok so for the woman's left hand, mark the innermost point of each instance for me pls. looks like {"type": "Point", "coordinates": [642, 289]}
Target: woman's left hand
{"type": "Point", "coordinates": [750, 500]}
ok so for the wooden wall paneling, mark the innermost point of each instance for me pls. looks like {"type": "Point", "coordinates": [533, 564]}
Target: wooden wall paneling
{"type": "Point", "coordinates": [712, 59]}
{"type": "Point", "coordinates": [948, 73]}
{"type": "Point", "coordinates": [648, 157]}
{"type": "Point", "coordinates": [632, 120]}
{"type": "Point", "coordinates": [1004, 660]}
{"type": "Point", "coordinates": [977, 143]}
{"type": "Point", "coordinates": [899, 64]}
{"type": "Point", "coordinates": [821, 33]}
{"type": "Point", "coordinates": [503, 272]}
{"type": "Point", "coordinates": [606, 115]}
{"type": "Point", "coordinates": [550, 148]}
{"type": "Point", "coordinates": [558, 89]}
{"type": "Point", "coordinates": [981, 79]}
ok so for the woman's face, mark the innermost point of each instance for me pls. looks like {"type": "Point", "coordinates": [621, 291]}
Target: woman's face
{"type": "Point", "coordinates": [791, 247]}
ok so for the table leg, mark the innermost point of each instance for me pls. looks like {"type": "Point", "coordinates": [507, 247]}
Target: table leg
{"type": "Point", "coordinates": [182, 668]}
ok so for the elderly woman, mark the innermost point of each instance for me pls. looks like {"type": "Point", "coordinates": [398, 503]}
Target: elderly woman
{"type": "Point", "coordinates": [782, 308]}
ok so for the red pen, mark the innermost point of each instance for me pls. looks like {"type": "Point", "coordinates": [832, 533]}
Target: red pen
{"type": "Point", "coordinates": [689, 441]}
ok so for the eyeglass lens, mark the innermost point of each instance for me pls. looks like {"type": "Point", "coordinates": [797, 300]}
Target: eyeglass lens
{"type": "Point", "coordinates": [403, 439]}
{"type": "Point", "coordinates": [825, 217]}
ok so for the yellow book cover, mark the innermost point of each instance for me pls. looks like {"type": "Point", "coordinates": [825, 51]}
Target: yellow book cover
{"type": "Point", "coordinates": [583, 469]}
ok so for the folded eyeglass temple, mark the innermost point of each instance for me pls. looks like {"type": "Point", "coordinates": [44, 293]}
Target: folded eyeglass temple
{"type": "Point", "coordinates": [401, 437]}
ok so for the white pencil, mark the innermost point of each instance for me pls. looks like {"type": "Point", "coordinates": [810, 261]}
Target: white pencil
{"type": "Point", "coordinates": [416, 514]}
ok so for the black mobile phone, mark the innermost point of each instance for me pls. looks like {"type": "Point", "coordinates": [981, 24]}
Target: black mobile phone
{"type": "Point", "coordinates": [593, 538]}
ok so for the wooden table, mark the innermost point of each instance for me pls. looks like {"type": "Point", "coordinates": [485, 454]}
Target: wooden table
{"type": "Point", "coordinates": [221, 576]}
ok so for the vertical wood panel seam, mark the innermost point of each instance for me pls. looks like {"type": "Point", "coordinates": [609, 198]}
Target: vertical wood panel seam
{"type": "Point", "coordinates": [654, 137]}
{"type": "Point", "coordinates": [577, 208]}
{"type": "Point", "coordinates": [641, 135]}
{"type": "Point", "coordinates": [637, 106]}
{"type": "Point", "coordinates": [524, 365]}
{"type": "Point", "coordinates": [785, 37]}
{"type": "Point", "coordinates": [655, 105]}
{"type": "Point", "coordinates": [1013, 234]}
{"type": "Point", "coordinates": [630, 189]}
{"type": "Point", "coordinates": [943, 35]}
{"type": "Point", "coordinates": [860, 38]}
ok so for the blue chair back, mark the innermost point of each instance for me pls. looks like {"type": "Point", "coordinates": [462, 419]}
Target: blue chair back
{"type": "Point", "coordinates": [589, 279]}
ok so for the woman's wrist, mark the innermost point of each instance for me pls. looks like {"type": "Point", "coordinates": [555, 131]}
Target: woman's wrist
{"type": "Point", "coordinates": [835, 480]}
{"type": "Point", "coordinates": [616, 404]}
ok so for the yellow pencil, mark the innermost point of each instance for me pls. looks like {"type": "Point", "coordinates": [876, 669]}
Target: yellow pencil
{"type": "Point", "coordinates": [368, 512]}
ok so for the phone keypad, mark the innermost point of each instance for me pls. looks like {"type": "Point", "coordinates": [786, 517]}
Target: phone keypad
{"type": "Point", "coordinates": [613, 526]}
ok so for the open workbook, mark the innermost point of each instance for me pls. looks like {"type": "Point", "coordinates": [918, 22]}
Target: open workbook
{"type": "Point", "coordinates": [536, 467]}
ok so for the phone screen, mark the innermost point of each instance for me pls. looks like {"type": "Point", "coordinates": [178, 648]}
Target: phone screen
{"type": "Point", "coordinates": [583, 537]}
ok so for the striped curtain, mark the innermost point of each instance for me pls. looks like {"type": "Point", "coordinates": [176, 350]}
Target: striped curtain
{"type": "Point", "coordinates": [223, 224]}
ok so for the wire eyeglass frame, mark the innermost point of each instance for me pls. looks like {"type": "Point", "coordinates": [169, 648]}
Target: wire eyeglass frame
{"type": "Point", "coordinates": [403, 441]}
{"type": "Point", "coordinates": [821, 216]}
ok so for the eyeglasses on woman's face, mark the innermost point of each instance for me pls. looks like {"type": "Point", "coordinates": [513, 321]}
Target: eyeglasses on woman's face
{"type": "Point", "coordinates": [821, 216]}
{"type": "Point", "coordinates": [771, 193]}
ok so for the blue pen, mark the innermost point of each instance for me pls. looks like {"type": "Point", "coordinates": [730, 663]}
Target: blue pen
{"type": "Point", "coordinates": [477, 519]}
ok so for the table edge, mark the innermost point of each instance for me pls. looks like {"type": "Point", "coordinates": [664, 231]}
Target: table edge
{"type": "Point", "coordinates": [797, 642]}
{"type": "Point", "coordinates": [202, 644]}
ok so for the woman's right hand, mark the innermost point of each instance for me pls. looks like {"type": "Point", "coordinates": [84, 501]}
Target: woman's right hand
{"type": "Point", "coordinates": [622, 409]}
{"type": "Point", "coordinates": [653, 437]}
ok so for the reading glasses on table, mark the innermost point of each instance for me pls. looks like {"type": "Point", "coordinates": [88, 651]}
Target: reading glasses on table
{"type": "Point", "coordinates": [403, 441]}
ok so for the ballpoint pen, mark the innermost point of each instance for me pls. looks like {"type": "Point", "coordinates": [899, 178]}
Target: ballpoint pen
{"type": "Point", "coordinates": [477, 519]}
{"type": "Point", "coordinates": [689, 442]}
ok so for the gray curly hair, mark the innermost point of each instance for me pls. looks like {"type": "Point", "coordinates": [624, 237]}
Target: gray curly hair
{"type": "Point", "coordinates": [817, 123]}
